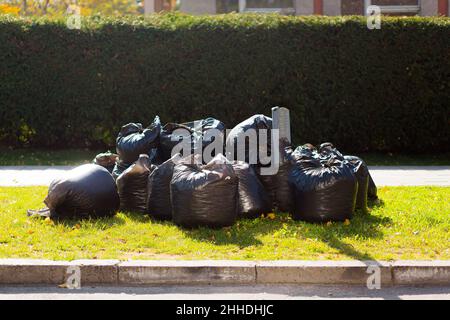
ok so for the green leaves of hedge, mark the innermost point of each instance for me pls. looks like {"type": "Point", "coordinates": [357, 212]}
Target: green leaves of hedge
{"type": "Point", "coordinates": [364, 90]}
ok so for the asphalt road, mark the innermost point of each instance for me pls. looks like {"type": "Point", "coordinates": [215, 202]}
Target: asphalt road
{"type": "Point", "coordinates": [383, 176]}
{"type": "Point", "coordinates": [263, 292]}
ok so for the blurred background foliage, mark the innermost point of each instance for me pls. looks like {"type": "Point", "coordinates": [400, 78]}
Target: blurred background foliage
{"type": "Point", "coordinates": [61, 7]}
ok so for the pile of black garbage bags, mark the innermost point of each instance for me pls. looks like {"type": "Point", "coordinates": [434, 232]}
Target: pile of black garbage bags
{"type": "Point", "coordinates": [146, 176]}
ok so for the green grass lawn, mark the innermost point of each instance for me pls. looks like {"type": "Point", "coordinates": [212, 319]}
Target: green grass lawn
{"type": "Point", "coordinates": [407, 223]}
{"type": "Point", "coordinates": [16, 157]}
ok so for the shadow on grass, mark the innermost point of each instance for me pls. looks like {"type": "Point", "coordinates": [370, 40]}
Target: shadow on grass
{"type": "Point", "coordinates": [246, 233]}
{"type": "Point", "coordinates": [362, 226]}
{"type": "Point", "coordinates": [96, 223]}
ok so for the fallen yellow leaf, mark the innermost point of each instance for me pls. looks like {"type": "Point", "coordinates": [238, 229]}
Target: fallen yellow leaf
{"type": "Point", "coordinates": [347, 222]}
{"type": "Point", "coordinates": [271, 216]}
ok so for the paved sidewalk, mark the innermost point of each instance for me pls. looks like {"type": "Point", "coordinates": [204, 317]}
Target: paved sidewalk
{"type": "Point", "coordinates": [254, 292]}
{"type": "Point", "coordinates": [382, 175]}
{"type": "Point", "coordinates": [30, 175]}
{"type": "Point", "coordinates": [411, 175]}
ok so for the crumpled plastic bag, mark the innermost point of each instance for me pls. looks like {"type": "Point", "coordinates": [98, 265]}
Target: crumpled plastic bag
{"type": "Point", "coordinates": [327, 149]}
{"type": "Point", "coordinates": [107, 160]}
{"type": "Point", "coordinates": [195, 130]}
{"type": "Point", "coordinates": [134, 140]}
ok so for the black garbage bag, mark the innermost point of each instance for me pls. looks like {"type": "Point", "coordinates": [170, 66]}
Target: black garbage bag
{"type": "Point", "coordinates": [283, 192]}
{"type": "Point", "coordinates": [327, 149]}
{"type": "Point", "coordinates": [107, 160]}
{"type": "Point", "coordinates": [277, 185]}
{"type": "Point", "coordinates": [252, 196]}
{"type": "Point", "coordinates": [86, 191]}
{"type": "Point", "coordinates": [371, 187]}
{"type": "Point", "coordinates": [159, 205]}
{"type": "Point", "coordinates": [133, 140]}
{"type": "Point", "coordinates": [169, 139]}
{"type": "Point", "coordinates": [204, 195]}
{"type": "Point", "coordinates": [322, 191]}
{"type": "Point", "coordinates": [241, 132]}
{"type": "Point", "coordinates": [362, 174]}
{"type": "Point", "coordinates": [268, 182]}
{"type": "Point", "coordinates": [196, 131]}
{"type": "Point", "coordinates": [132, 185]}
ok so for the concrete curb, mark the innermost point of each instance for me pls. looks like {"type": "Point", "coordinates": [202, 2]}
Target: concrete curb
{"type": "Point", "coordinates": [223, 272]}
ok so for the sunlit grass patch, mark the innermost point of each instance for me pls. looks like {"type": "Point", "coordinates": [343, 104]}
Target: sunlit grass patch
{"type": "Point", "coordinates": [407, 223]}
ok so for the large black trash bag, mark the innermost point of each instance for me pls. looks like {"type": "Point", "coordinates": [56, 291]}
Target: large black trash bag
{"type": "Point", "coordinates": [238, 133]}
{"type": "Point", "coordinates": [196, 130]}
{"type": "Point", "coordinates": [159, 205]}
{"type": "Point", "coordinates": [371, 187]}
{"type": "Point", "coordinates": [268, 182]}
{"type": "Point", "coordinates": [322, 191]}
{"type": "Point", "coordinates": [86, 191]}
{"type": "Point", "coordinates": [327, 149]}
{"type": "Point", "coordinates": [107, 160]}
{"type": "Point", "coordinates": [132, 185]}
{"type": "Point", "coordinates": [362, 174]}
{"type": "Point", "coordinates": [133, 140]}
{"type": "Point", "coordinates": [204, 195]}
{"type": "Point", "coordinates": [283, 193]}
{"type": "Point", "coordinates": [277, 185]}
{"type": "Point", "coordinates": [252, 196]}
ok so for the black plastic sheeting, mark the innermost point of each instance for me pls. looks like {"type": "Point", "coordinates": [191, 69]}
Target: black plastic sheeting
{"type": "Point", "coordinates": [132, 185]}
{"type": "Point", "coordinates": [204, 195]}
{"type": "Point", "coordinates": [107, 160]}
{"type": "Point", "coordinates": [133, 140]}
{"type": "Point", "coordinates": [159, 205]}
{"type": "Point", "coordinates": [322, 190]}
{"type": "Point", "coordinates": [196, 130]}
{"type": "Point", "coordinates": [252, 196]}
{"type": "Point", "coordinates": [86, 191]}
{"type": "Point", "coordinates": [256, 122]}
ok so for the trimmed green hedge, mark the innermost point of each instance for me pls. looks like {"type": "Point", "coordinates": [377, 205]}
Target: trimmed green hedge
{"type": "Point", "coordinates": [364, 90]}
